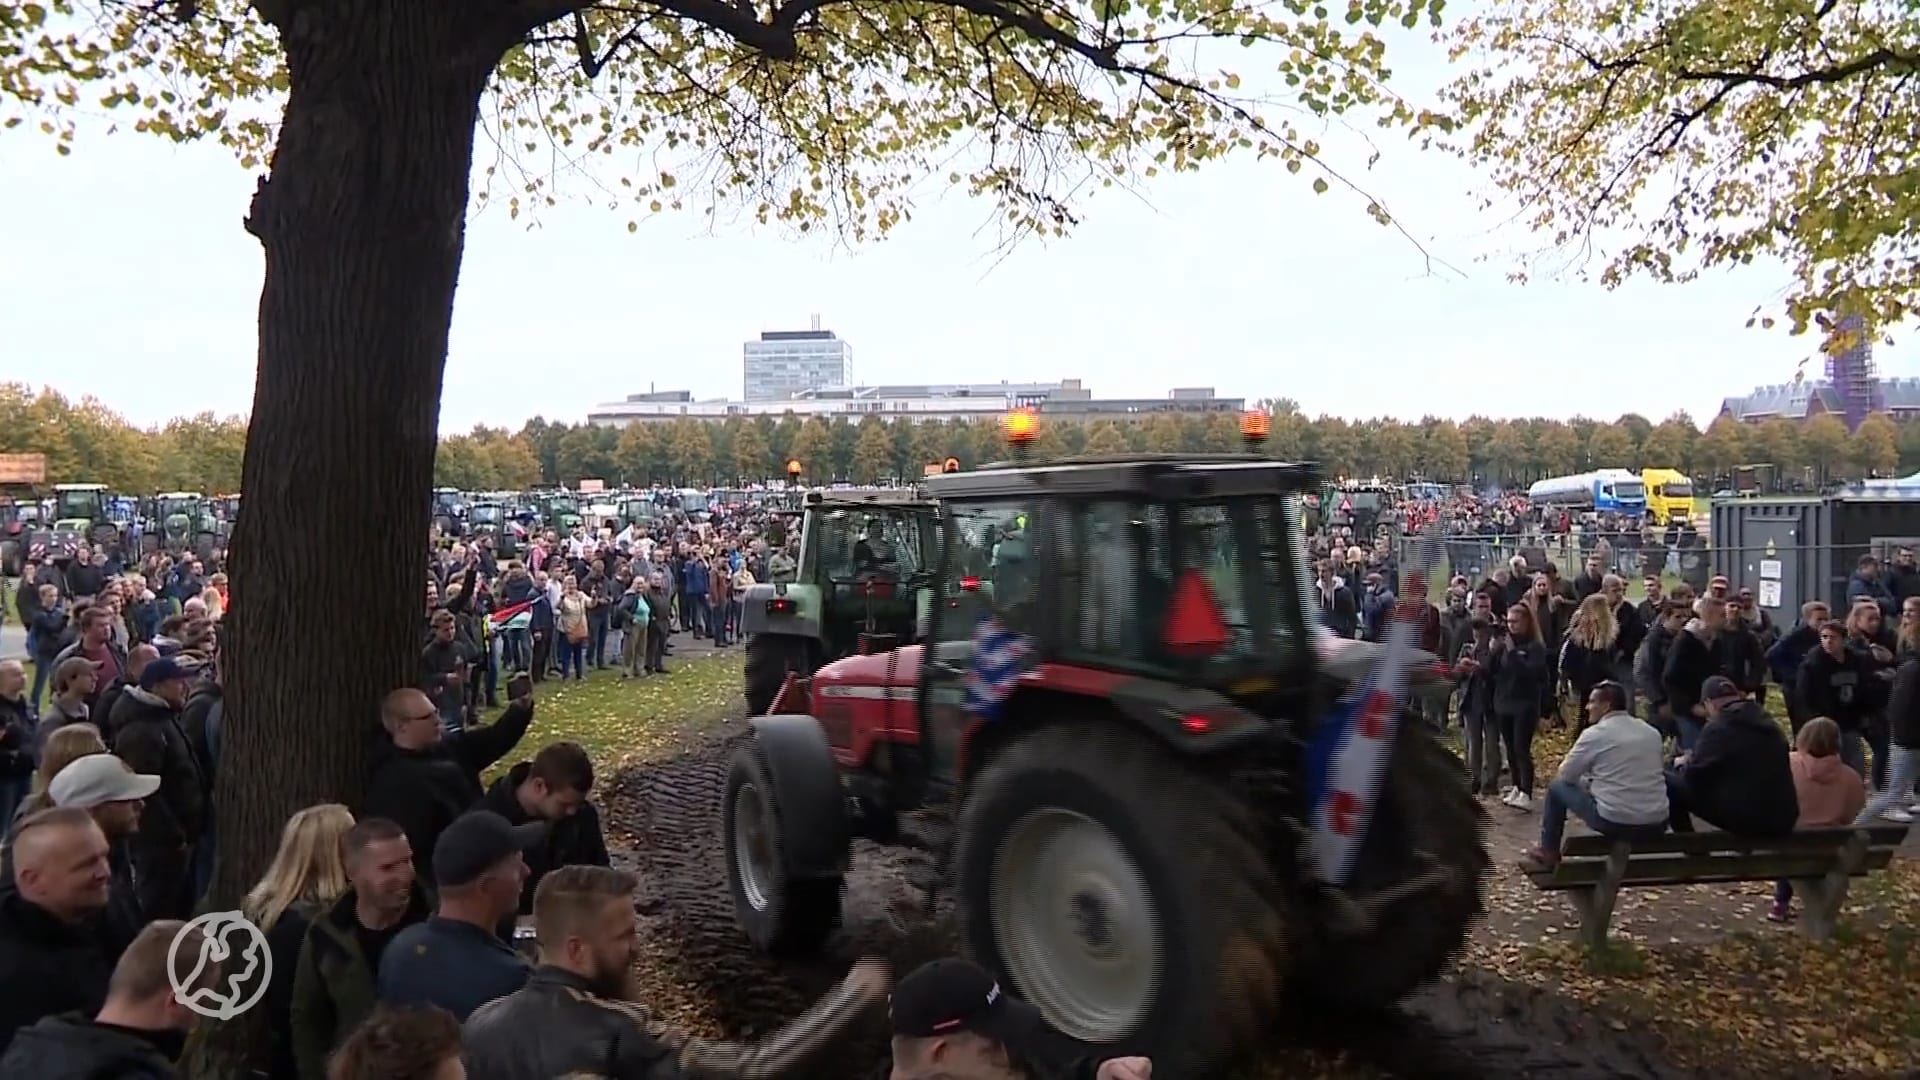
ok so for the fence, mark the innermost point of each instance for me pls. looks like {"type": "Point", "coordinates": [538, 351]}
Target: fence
{"type": "Point", "coordinates": [1782, 576]}
{"type": "Point", "coordinates": [1475, 557]}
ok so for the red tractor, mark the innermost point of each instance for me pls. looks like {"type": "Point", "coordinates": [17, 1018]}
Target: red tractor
{"type": "Point", "coordinates": [1115, 705]}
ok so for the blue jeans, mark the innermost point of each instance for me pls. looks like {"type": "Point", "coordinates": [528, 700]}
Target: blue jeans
{"type": "Point", "coordinates": [13, 792]}
{"type": "Point", "coordinates": [572, 655]}
{"type": "Point", "coordinates": [1898, 790]}
{"type": "Point", "coordinates": [1564, 796]}
{"type": "Point", "coordinates": [1690, 728]}
{"type": "Point", "coordinates": [42, 671]}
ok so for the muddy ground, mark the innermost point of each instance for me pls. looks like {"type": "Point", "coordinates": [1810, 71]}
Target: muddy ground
{"type": "Point", "coordinates": [665, 818]}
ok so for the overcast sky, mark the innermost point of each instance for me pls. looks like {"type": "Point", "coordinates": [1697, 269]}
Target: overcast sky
{"type": "Point", "coordinates": [127, 275]}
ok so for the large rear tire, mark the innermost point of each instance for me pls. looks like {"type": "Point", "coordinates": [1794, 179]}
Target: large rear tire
{"type": "Point", "coordinates": [769, 658]}
{"type": "Point", "coordinates": [780, 914]}
{"type": "Point", "coordinates": [1427, 823]}
{"type": "Point", "coordinates": [1124, 893]}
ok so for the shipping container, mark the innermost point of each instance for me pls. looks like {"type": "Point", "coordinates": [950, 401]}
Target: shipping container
{"type": "Point", "coordinates": [1792, 549]}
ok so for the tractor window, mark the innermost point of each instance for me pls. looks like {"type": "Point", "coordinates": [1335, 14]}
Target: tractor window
{"type": "Point", "coordinates": [1215, 589]}
{"type": "Point", "coordinates": [990, 568]}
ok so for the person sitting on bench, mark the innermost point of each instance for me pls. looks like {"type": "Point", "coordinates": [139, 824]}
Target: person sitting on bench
{"type": "Point", "coordinates": [1611, 778]}
{"type": "Point", "coordinates": [1737, 777]}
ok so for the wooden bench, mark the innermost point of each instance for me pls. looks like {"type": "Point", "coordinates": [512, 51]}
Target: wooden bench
{"type": "Point", "coordinates": [1819, 862]}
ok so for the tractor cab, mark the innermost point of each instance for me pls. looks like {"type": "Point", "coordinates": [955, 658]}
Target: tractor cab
{"type": "Point", "coordinates": [81, 514]}
{"type": "Point", "coordinates": [495, 521]}
{"type": "Point", "coordinates": [1140, 760]}
{"type": "Point", "coordinates": [182, 521]}
{"type": "Point", "coordinates": [862, 584]}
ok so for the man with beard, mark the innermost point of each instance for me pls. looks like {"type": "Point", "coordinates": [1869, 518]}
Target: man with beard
{"type": "Point", "coordinates": [108, 788]}
{"type": "Point", "coordinates": [576, 1015]}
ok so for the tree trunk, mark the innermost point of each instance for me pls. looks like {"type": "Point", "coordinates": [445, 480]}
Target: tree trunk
{"type": "Point", "coordinates": [362, 221]}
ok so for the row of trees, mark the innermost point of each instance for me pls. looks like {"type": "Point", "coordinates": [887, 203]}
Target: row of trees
{"type": "Point", "coordinates": [87, 441]}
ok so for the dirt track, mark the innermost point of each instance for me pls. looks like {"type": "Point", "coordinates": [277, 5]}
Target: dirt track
{"type": "Point", "coordinates": [1470, 1025]}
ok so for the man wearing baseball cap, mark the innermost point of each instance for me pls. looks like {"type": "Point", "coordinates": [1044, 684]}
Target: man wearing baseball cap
{"type": "Point", "coordinates": [146, 734]}
{"type": "Point", "coordinates": [951, 1019]}
{"type": "Point", "coordinates": [112, 793]}
{"type": "Point", "coordinates": [1737, 777]}
{"type": "Point", "coordinates": [457, 959]}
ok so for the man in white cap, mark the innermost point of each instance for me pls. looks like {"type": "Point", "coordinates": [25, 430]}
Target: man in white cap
{"type": "Point", "coordinates": [108, 789]}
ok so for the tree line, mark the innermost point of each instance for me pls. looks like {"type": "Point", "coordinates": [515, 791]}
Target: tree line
{"type": "Point", "coordinates": [85, 441]}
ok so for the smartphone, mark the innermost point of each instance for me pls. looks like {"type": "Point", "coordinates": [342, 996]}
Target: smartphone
{"type": "Point", "coordinates": [519, 686]}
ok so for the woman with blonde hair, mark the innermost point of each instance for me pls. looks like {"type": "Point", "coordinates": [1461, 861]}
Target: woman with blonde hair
{"type": "Point", "coordinates": [1589, 653]}
{"type": "Point", "coordinates": [308, 874]}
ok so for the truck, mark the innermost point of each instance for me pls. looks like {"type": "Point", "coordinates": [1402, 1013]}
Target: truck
{"type": "Point", "coordinates": [1669, 496]}
{"type": "Point", "coordinates": [1617, 491]}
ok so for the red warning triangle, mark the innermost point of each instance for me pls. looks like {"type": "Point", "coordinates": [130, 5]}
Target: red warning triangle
{"type": "Point", "coordinates": [1346, 505]}
{"type": "Point", "coordinates": [1194, 626]}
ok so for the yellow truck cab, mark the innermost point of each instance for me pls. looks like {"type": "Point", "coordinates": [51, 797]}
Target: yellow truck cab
{"type": "Point", "coordinates": [1669, 495]}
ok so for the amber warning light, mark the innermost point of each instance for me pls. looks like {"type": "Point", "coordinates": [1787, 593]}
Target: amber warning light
{"type": "Point", "coordinates": [793, 467]}
{"type": "Point", "coordinates": [1022, 425]}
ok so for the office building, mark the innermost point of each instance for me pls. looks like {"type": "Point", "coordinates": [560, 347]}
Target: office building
{"type": "Point", "coordinates": [787, 362]}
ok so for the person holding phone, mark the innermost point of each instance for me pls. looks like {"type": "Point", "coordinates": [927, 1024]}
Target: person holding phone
{"type": "Point", "coordinates": [425, 777]}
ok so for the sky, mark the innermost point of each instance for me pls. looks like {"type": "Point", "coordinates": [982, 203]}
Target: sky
{"type": "Point", "coordinates": [131, 279]}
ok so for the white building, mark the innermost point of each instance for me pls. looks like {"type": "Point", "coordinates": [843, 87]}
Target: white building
{"type": "Point", "coordinates": [786, 362]}
{"type": "Point", "coordinates": [1067, 400]}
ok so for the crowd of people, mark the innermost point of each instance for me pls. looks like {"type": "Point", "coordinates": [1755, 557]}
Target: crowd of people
{"type": "Point", "coordinates": [444, 927]}
{"type": "Point", "coordinates": [1671, 690]}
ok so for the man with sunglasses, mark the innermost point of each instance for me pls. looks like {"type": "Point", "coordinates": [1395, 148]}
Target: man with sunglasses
{"type": "Point", "coordinates": [424, 776]}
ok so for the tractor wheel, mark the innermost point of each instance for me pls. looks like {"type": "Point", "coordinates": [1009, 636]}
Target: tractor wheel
{"type": "Point", "coordinates": [1124, 893]}
{"type": "Point", "coordinates": [779, 914]}
{"type": "Point", "coordinates": [1427, 823]}
{"type": "Point", "coordinates": [769, 658]}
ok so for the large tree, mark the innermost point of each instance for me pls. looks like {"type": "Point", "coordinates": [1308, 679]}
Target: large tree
{"type": "Point", "coordinates": [1668, 139]}
{"type": "Point", "coordinates": [816, 113]}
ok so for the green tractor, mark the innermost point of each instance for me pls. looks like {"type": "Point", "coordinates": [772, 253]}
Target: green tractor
{"type": "Point", "coordinates": [80, 516]}
{"type": "Point", "coordinates": [560, 512]}
{"type": "Point", "coordinates": [861, 586]}
{"type": "Point", "coordinates": [184, 522]}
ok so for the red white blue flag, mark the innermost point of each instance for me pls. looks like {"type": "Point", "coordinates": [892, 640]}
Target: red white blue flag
{"type": "Point", "coordinates": [1348, 756]}
{"type": "Point", "coordinates": [999, 656]}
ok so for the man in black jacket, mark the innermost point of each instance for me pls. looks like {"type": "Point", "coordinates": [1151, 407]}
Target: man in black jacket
{"type": "Point", "coordinates": [1696, 656]}
{"type": "Point", "coordinates": [140, 1029]}
{"type": "Point", "coordinates": [1737, 777]}
{"type": "Point", "coordinates": [423, 779]}
{"type": "Point", "coordinates": [149, 738]}
{"type": "Point", "coordinates": [552, 788]}
{"type": "Point", "coordinates": [51, 957]}
{"type": "Point", "coordinates": [576, 1016]}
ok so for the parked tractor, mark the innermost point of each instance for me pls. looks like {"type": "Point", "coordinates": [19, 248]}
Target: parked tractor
{"type": "Point", "coordinates": [862, 584]}
{"type": "Point", "coordinates": [495, 521]}
{"type": "Point", "coordinates": [80, 515]}
{"type": "Point", "coordinates": [1114, 713]}
{"type": "Point", "coordinates": [184, 522]}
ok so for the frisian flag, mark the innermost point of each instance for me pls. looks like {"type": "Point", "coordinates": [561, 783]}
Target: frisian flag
{"type": "Point", "coordinates": [1347, 759]}
{"type": "Point", "coordinates": [999, 656]}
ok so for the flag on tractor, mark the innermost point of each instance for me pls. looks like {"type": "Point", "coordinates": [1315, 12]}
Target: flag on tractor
{"type": "Point", "coordinates": [1348, 757]}
{"type": "Point", "coordinates": [999, 656]}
